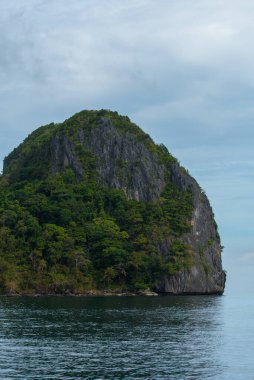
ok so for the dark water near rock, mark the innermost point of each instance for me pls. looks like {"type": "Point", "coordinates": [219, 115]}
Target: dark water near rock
{"type": "Point", "coordinates": [198, 337]}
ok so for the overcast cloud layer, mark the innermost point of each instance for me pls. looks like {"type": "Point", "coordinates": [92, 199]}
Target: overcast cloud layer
{"type": "Point", "coordinates": [182, 70]}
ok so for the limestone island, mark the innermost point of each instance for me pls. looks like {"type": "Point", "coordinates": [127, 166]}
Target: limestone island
{"type": "Point", "coordinates": [92, 206]}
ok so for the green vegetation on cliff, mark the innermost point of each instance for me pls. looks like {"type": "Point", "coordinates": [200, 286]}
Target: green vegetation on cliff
{"type": "Point", "coordinates": [64, 230]}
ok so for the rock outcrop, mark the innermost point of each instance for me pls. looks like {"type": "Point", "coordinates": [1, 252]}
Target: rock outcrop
{"type": "Point", "coordinates": [124, 161]}
{"type": "Point", "coordinates": [206, 275]}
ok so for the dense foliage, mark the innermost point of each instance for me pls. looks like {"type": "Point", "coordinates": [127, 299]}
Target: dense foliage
{"type": "Point", "coordinates": [61, 235]}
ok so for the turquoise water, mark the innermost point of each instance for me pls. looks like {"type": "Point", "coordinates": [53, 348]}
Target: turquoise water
{"type": "Point", "coordinates": [201, 337]}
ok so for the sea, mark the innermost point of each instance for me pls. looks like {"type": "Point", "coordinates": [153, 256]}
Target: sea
{"type": "Point", "coordinates": [165, 337]}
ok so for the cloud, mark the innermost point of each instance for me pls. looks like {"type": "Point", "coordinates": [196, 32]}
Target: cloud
{"type": "Point", "coordinates": [246, 258]}
{"type": "Point", "coordinates": [141, 51]}
{"type": "Point", "coordinates": [184, 70]}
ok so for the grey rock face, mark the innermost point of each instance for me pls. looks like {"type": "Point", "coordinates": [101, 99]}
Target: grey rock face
{"type": "Point", "coordinates": [122, 162]}
{"type": "Point", "coordinates": [206, 275]}
{"type": "Point", "coordinates": [63, 155]}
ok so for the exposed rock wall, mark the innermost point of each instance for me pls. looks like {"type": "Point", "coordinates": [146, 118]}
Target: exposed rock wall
{"type": "Point", "coordinates": [124, 163]}
{"type": "Point", "coordinates": [121, 161]}
{"type": "Point", "coordinates": [206, 274]}
{"type": "Point", "coordinates": [63, 155]}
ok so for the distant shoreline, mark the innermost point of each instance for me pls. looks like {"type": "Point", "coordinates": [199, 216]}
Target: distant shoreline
{"type": "Point", "coordinates": [93, 293]}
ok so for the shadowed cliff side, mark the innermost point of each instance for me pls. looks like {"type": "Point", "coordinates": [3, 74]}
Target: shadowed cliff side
{"type": "Point", "coordinates": [205, 274]}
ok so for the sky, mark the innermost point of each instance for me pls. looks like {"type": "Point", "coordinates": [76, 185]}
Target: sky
{"type": "Point", "coordinates": [182, 70]}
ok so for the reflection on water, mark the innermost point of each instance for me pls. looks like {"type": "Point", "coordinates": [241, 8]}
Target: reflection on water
{"type": "Point", "coordinates": [113, 338]}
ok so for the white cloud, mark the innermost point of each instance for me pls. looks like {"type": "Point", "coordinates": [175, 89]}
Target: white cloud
{"type": "Point", "coordinates": [246, 258]}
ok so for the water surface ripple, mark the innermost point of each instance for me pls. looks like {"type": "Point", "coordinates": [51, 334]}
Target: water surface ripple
{"type": "Point", "coordinates": [124, 338]}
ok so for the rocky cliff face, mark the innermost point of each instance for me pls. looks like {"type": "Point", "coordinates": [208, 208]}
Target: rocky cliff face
{"type": "Point", "coordinates": [128, 160]}
{"type": "Point", "coordinates": [206, 275]}
{"type": "Point", "coordinates": [124, 163]}
{"type": "Point", "coordinates": [121, 161]}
